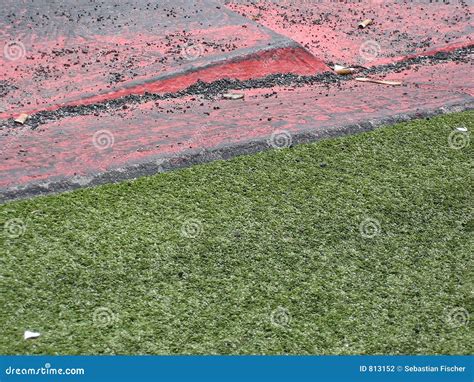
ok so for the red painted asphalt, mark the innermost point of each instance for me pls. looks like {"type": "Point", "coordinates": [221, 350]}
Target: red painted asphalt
{"type": "Point", "coordinates": [400, 28]}
{"type": "Point", "coordinates": [85, 52]}
{"type": "Point", "coordinates": [148, 56]}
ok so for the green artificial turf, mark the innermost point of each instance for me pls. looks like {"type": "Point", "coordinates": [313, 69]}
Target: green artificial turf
{"type": "Point", "coordinates": [356, 245]}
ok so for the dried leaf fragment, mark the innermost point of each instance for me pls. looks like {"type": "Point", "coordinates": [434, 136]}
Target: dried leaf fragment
{"type": "Point", "coordinates": [339, 69]}
{"type": "Point", "coordinates": [382, 82]}
{"type": "Point", "coordinates": [233, 96]}
{"type": "Point", "coordinates": [365, 23]}
{"type": "Point", "coordinates": [21, 118]}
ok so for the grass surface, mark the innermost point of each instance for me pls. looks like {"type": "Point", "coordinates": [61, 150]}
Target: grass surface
{"type": "Point", "coordinates": [360, 244]}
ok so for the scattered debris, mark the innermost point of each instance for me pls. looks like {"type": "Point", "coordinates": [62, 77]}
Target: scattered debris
{"type": "Point", "coordinates": [382, 82]}
{"type": "Point", "coordinates": [462, 129]}
{"type": "Point", "coordinates": [339, 69]}
{"type": "Point", "coordinates": [233, 96]}
{"type": "Point", "coordinates": [30, 335]}
{"type": "Point", "coordinates": [21, 118]}
{"type": "Point", "coordinates": [217, 88]}
{"type": "Point", "coordinates": [365, 23]}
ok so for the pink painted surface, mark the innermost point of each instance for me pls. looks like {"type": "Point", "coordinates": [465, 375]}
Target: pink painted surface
{"type": "Point", "coordinates": [329, 29]}
{"type": "Point", "coordinates": [76, 51]}
{"type": "Point", "coordinates": [147, 132]}
{"type": "Point", "coordinates": [282, 60]}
